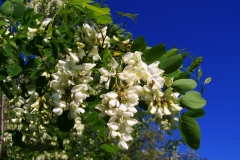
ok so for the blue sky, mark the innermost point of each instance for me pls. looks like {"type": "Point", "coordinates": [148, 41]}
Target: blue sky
{"type": "Point", "coordinates": [206, 28]}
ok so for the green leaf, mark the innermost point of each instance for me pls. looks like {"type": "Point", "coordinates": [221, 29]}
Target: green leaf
{"type": "Point", "coordinates": [184, 54]}
{"type": "Point", "coordinates": [155, 53]}
{"type": "Point", "coordinates": [171, 64]}
{"type": "Point", "coordinates": [2, 31]}
{"type": "Point", "coordinates": [100, 123]}
{"type": "Point", "coordinates": [171, 52]}
{"type": "Point", "coordinates": [98, 11]}
{"type": "Point", "coordinates": [104, 19]}
{"type": "Point", "coordinates": [9, 51]}
{"type": "Point", "coordinates": [108, 148]}
{"type": "Point", "coordinates": [32, 63]}
{"type": "Point", "coordinates": [138, 44]}
{"type": "Point", "coordinates": [196, 63]}
{"type": "Point", "coordinates": [14, 69]}
{"type": "Point", "coordinates": [3, 23]}
{"type": "Point", "coordinates": [183, 75]}
{"type": "Point", "coordinates": [19, 10]}
{"type": "Point", "coordinates": [192, 99]}
{"type": "Point", "coordinates": [6, 8]}
{"type": "Point", "coordinates": [199, 73]}
{"type": "Point", "coordinates": [67, 11]}
{"type": "Point", "coordinates": [64, 123]}
{"type": "Point", "coordinates": [195, 113]}
{"type": "Point", "coordinates": [146, 51]}
{"type": "Point", "coordinates": [92, 117]}
{"type": "Point", "coordinates": [106, 55]}
{"type": "Point", "coordinates": [17, 1]}
{"type": "Point", "coordinates": [184, 84]}
{"type": "Point", "coordinates": [190, 131]}
{"type": "Point", "coordinates": [49, 31]}
{"type": "Point", "coordinates": [208, 80]}
{"type": "Point", "coordinates": [173, 74]}
{"type": "Point", "coordinates": [78, 2]}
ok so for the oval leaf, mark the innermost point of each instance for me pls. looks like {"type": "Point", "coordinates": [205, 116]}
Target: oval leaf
{"type": "Point", "coordinates": [19, 9]}
{"type": "Point", "coordinates": [6, 8]}
{"type": "Point", "coordinates": [3, 23]}
{"type": "Point", "coordinates": [14, 69]}
{"type": "Point", "coordinates": [92, 117]}
{"type": "Point", "coordinates": [190, 131]}
{"type": "Point", "coordinates": [183, 75]}
{"type": "Point", "coordinates": [192, 99]}
{"type": "Point", "coordinates": [171, 64]}
{"type": "Point", "coordinates": [184, 84]}
{"type": "Point", "coordinates": [105, 19]}
{"type": "Point", "coordinates": [195, 113]}
{"type": "Point", "coordinates": [138, 44]}
{"type": "Point", "coordinates": [155, 53]}
{"type": "Point", "coordinates": [208, 80]}
{"type": "Point", "coordinates": [108, 148]}
{"type": "Point", "coordinates": [171, 52]}
{"type": "Point", "coordinates": [78, 2]}
{"type": "Point", "coordinates": [196, 63]}
{"type": "Point", "coordinates": [199, 73]}
{"type": "Point", "coordinates": [98, 11]}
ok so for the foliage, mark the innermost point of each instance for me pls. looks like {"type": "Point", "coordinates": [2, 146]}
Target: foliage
{"type": "Point", "coordinates": [74, 79]}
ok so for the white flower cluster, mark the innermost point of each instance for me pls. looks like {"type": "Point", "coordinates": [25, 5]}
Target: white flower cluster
{"type": "Point", "coordinates": [137, 81]}
{"type": "Point", "coordinates": [45, 7]}
{"type": "Point", "coordinates": [93, 37]}
{"type": "Point", "coordinates": [71, 74]}
{"type": "Point", "coordinates": [74, 75]}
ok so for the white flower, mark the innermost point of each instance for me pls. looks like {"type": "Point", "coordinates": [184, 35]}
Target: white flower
{"type": "Point", "coordinates": [126, 41]}
{"type": "Point", "coordinates": [94, 54]}
{"type": "Point", "coordinates": [113, 103]}
{"type": "Point", "coordinates": [165, 125]}
{"type": "Point", "coordinates": [81, 53]}
{"type": "Point", "coordinates": [116, 39]}
{"type": "Point", "coordinates": [57, 111]}
{"type": "Point", "coordinates": [109, 96]}
{"type": "Point", "coordinates": [88, 66]}
{"type": "Point", "coordinates": [131, 122]}
{"type": "Point", "coordinates": [159, 113]}
{"type": "Point", "coordinates": [165, 109]}
{"type": "Point", "coordinates": [58, 104]}
{"type": "Point", "coordinates": [175, 107]}
{"type": "Point", "coordinates": [101, 108]}
{"type": "Point", "coordinates": [113, 126]}
{"type": "Point", "coordinates": [31, 33]}
{"type": "Point", "coordinates": [74, 57]}
{"type": "Point", "coordinates": [79, 88]}
{"type": "Point", "coordinates": [111, 112]}
{"type": "Point", "coordinates": [123, 145]}
{"type": "Point", "coordinates": [18, 111]}
{"type": "Point", "coordinates": [75, 110]}
{"type": "Point", "coordinates": [45, 22]}
{"type": "Point", "coordinates": [113, 64]}
{"type": "Point", "coordinates": [89, 31]}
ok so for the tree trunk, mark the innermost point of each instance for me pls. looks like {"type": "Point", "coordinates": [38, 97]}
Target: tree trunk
{"type": "Point", "coordinates": [2, 123]}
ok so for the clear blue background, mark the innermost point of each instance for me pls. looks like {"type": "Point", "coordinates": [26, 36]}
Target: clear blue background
{"type": "Point", "coordinates": [208, 28]}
